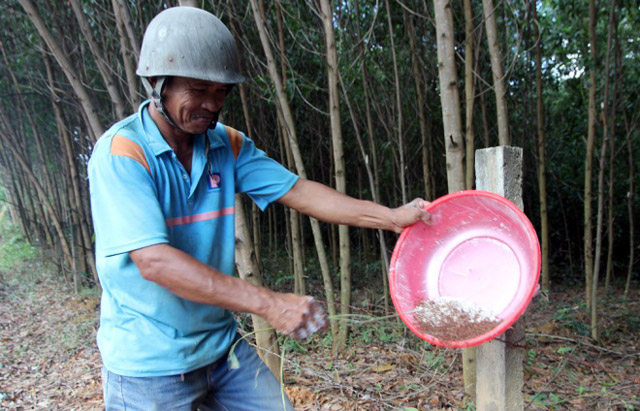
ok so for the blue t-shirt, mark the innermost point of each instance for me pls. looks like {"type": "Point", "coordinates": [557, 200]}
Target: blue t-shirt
{"type": "Point", "coordinates": [141, 195]}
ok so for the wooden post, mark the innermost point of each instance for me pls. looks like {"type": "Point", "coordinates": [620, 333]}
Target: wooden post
{"type": "Point", "coordinates": [499, 364]}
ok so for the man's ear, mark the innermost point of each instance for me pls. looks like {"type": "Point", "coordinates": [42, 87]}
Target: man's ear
{"type": "Point", "coordinates": [152, 81]}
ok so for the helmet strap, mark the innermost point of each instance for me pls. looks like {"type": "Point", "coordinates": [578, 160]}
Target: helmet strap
{"type": "Point", "coordinates": [156, 97]}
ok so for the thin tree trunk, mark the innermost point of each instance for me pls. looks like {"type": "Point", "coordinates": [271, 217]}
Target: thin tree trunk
{"type": "Point", "coordinates": [128, 56]}
{"type": "Point", "coordinates": [79, 213]}
{"type": "Point", "coordinates": [98, 55]}
{"type": "Point", "coordinates": [294, 219]}
{"type": "Point", "coordinates": [542, 167]}
{"type": "Point", "coordinates": [416, 63]}
{"type": "Point", "coordinates": [601, 172]}
{"type": "Point", "coordinates": [89, 110]}
{"type": "Point", "coordinates": [612, 146]}
{"type": "Point", "coordinates": [398, 115]}
{"type": "Point", "coordinates": [630, 201]}
{"type": "Point", "coordinates": [249, 270]}
{"type": "Point", "coordinates": [249, 128]}
{"type": "Point", "coordinates": [374, 196]}
{"type": "Point", "coordinates": [35, 183]}
{"type": "Point", "coordinates": [454, 143]}
{"type": "Point", "coordinates": [499, 84]}
{"type": "Point", "coordinates": [285, 109]}
{"type": "Point", "coordinates": [372, 161]}
{"type": "Point", "coordinates": [338, 157]}
{"type": "Point", "coordinates": [588, 169]}
{"type": "Point", "coordinates": [131, 34]}
{"type": "Point", "coordinates": [469, 91]}
{"type": "Point", "coordinates": [34, 128]}
{"type": "Point", "coordinates": [485, 123]}
{"type": "Point", "coordinates": [449, 96]}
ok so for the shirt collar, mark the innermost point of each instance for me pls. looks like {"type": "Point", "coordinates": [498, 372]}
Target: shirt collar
{"type": "Point", "coordinates": [159, 145]}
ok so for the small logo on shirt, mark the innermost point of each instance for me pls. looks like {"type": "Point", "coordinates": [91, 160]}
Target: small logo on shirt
{"type": "Point", "coordinates": [214, 181]}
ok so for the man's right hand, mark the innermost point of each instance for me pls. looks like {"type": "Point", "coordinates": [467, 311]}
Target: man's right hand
{"type": "Point", "coordinates": [297, 316]}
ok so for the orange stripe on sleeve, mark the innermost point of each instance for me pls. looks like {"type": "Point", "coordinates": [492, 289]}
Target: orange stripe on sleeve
{"type": "Point", "coordinates": [122, 146]}
{"type": "Point", "coordinates": [235, 138]}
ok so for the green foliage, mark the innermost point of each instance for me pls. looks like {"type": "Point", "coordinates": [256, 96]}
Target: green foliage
{"type": "Point", "coordinates": [14, 250]}
{"type": "Point", "coordinates": [548, 400]}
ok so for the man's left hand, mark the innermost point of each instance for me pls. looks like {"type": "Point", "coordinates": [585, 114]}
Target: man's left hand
{"type": "Point", "coordinates": [410, 213]}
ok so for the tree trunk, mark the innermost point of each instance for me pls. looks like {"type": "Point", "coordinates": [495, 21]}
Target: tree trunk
{"type": "Point", "coordinates": [283, 106]}
{"type": "Point", "coordinates": [601, 172]}
{"type": "Point", "coordinates": [78, 211]}
{"type": "Point", "coordinates": [249, 270]}
{"type": "Point", "coordinates": [499, 84]}
{"type": "Point", "coordinates": [371, 160]}
{"type": "Point", "coordinates": [630, 201]}
{"type": "Point", "coordinates": [134, 43]}
{"type": "Point", "coordinates": [374, 195]}
{"type": "Point", "coordinates": [128, 56]}
{"type": "Point", "coordinates": [89, 110]}
{"type": "Point", "coordinates": [454, 143]}
{"type": "Point", "coordinates": [612, 146]}
{"type": "Point", "coordinates": [398, 114]}
{"type": "Point", "coordinates": [469, 91]}
{"type": "Point", "coordinates": [338, 157]}
{"type": "Point", "coordinates": [416, 63]}
{"type": "Point", "coordinates": [257, 245]}
{"type": "Point", "coordinates": [542, 167]}
{"type": "Point", "coordinates": [42, 194]}
{"type": "Point", "coordinates": [588, 169]}
{"type": "Point", "coordinates": [449, 96]}
{"type": "Point", "coordinates": [98, 55]}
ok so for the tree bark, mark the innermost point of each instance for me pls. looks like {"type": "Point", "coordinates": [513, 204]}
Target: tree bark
{"type": "Point", "coordinates": [454, 138]}
{"type": "Point", "coordinates": [449, 96]}
{"type": "Point", "coordinates": [338, 158]}
{"type": "Point", "coordinates": [630, 203]}
{"type": "Point", "coordinates": [128, 57]}
{"type": "Point", "coordinates": [249, 270]}
{"type": "Point", "coordinates": [612, 146]}
{"type": "Point", "coordinates": [469, 91]}
{"type": "Point", "coordinates": [542, 166]}
{"type": "Point", "coordinates": [89, 110]}
{"type": "Point", "coordinates": [588, 169]}
{"type": "Point", "coordinates": [499, 85]}
{"type": "Point", "coordinates": [98, 55]}
{"type": "Point", "coordinates": [398, 114]}
{"type": "Point", "coordinates": [42, 194]}
{"type": "Point", "coordinates": [283, 106]}
{"type": "Point", "coordinates": [416, 63]}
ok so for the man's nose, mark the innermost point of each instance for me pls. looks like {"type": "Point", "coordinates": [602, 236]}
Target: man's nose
{"type": "Point", "coordinates": [213, 103]}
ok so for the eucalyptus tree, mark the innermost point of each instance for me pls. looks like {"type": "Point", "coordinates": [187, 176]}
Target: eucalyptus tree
{"type": "Point", "coordinates": [285, 110]}
{"type": "Point", "coordinates": [453, 135]}
{"type": "Point", "coordinates": [542, 166]}
{"type": "Point", "coordinates": [499, 83]}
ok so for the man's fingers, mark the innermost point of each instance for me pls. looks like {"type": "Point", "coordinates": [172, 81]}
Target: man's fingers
{"type": "Point", "coordinates": [423, 215]}
{"type": "Point", "coordinates": [311, 320]}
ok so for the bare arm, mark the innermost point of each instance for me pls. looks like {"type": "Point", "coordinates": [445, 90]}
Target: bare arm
{"type": "Point", "coordinates": [187, 277]}
{"type": "Point", "coordinates": [326, 204]}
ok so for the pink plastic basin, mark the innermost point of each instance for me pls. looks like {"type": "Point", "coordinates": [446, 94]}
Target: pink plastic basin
{"type": "Point", "coordinates": [480, 249]}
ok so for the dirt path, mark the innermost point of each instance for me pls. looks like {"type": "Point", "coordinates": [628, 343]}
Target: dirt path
{"type": "Point", "coordinates": [48, 359]}
{"type": "Point", "coordinates": [47, 351]}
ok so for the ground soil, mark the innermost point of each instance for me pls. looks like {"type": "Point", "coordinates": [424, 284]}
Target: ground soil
{"type": "Point", "coordinates": [49, 361]}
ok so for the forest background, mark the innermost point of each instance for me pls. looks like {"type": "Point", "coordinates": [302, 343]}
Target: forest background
{"type": "Point", "coordinates": [349, 94]}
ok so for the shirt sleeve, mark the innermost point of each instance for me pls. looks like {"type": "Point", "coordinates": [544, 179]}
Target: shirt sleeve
{"type": "Point", "coordinates": [124, 203]}
{"type": "Point", "coordinates": [262, 178]}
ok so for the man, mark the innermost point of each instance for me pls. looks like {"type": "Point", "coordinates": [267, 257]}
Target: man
{"type": "Point", "coordinates": [162, 192]}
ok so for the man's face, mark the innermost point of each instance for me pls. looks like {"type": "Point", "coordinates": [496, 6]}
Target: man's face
{"type": "Point", "coordinates": [193, 104]}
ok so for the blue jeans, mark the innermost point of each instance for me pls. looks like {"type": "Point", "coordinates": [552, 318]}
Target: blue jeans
{"type": "Point", "coordinates": [249, 387]}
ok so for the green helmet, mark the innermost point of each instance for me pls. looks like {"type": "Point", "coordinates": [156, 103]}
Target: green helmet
{"type": "Point", "coordinates": [189, 42]}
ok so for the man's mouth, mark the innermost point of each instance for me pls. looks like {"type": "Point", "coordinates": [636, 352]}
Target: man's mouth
{"type": "Point", "coordinates": [204, 118]}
